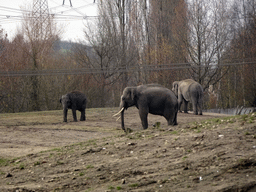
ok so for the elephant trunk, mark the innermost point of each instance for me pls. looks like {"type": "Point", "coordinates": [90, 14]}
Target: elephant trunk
{"type": "Point", "coordinates": [122, 116]}
{"type": "Point", "coordinates": [122, 120]}
{"type": "Point", "coordinates": [65, 112]}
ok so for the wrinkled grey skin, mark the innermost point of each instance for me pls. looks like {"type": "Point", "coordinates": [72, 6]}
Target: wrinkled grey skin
{"type": "Point", "coordinates": [153, 99]}
{"type": "Point", "coordinates": [74, 100]}
{"type": "Point", "coordinates": [189, 91]}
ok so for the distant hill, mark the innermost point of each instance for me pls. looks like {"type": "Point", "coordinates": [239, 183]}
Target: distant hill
{"type": "Point", "coordinates": [65, 46]}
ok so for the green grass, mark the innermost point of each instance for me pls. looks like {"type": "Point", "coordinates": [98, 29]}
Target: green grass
{"type": "Point", "coordinates": [60, 162]}
{"type": "Point", "coordinates": [111, 187]}
{"type": "Point", "coordinates": [215, 122]}
{"type": "Point", "coordinates": [89, 166]}
{"type": "Point", "coordinates": [37, 163]}
{"type": "Point", "coordinates": [134, 185]}
{"type": "Point", "coordinates": [4, 162]}
{"type": "Point", "coordinates": [174, 132]}
{"type": "Point", "coordinates": [22, 166]}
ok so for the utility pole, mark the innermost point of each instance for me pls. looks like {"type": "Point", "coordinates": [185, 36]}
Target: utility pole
{"type": "Point", "coordinates": [69, 2]}
{"type": "Point", "coordinates": [40, 33]}
{"type": "Point", "coordinates": [41, 21]}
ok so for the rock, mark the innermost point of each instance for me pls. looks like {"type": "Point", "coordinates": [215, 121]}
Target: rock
{"type": "Point", "coordinates": [123, 181]}
{"type": "Point", "coordinates": [196, 180]}
{"type": "Point", "coordinates": [131, 144]}
{"type": "Point", "coordinates": [8, 175]}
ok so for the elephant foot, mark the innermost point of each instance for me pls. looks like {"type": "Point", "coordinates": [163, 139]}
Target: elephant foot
{"type": "Point", "coordinates": [180, 111]}
{"type": "Point", "coordinates": [185, 111]}
{"type": "Point", "coordinates": [82, 118]}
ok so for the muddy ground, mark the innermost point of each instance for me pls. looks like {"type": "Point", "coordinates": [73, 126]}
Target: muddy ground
{"type": "Point", "coordinates": [213, 152]}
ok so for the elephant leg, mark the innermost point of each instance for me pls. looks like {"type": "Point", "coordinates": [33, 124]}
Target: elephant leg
{"type": "Point", "coordinates": [200, 107]}
{"type": "Point", "coordinates": [83, 118]}
{"type": "Point", "coordinates": [195, 112]}
{"type": "Point", "coordinates": [179, 104]}
{"type": "Point", "coordinates": [185, 106]}
{"type": "Point", "coordinates": [144, 118]}
{"type": "Point", "coordinates": [65, 113]}
{"type": "Point", "coordinates": [174, 119]}
{"type": "Point", "coordinates": [74, 114]}
{"type": "Point", "coordinates": [194, 105]}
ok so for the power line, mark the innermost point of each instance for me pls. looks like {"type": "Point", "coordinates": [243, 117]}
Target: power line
{"type": "Point", "coordinates": [59, 15]}
{"type": "Point", "coordinates": [81, 71]}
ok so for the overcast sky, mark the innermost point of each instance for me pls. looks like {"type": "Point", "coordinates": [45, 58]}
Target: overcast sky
{"type": "Point", "coordinates": [72, 18]}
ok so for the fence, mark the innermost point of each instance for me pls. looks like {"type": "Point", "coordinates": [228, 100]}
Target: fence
{"type": "Point", "coordinates": [30, 90]}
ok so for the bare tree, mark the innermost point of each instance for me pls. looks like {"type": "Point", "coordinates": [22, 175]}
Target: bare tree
{"type": "Point", "coordinates": [209, 25]}
{"type": "Point", "coordinates": [238, 87]}
{"type": "Point", "coordinates": [111, 46]}
{"type": "Point", "coordinates": [40, 41]}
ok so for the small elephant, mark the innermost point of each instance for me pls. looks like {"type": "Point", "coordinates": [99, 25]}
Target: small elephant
{"type": "Point", "coordinates": [189, 91]}
{"type": "Point", "coordinates": [74, 100]}
{"type": "Point", "coordinates": [151, 98]}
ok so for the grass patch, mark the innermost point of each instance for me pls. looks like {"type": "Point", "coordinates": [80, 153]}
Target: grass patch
{"type": "Point", "coordinates": [134, 185]}
{"type": "Point", "coordinates": [60, 162]}
{"type": "Point", "coordinates": [247, 133]}
{"type": "Point", "coordinates": [90, 142]}
{"type": "Point", "coordinates": [89, 166]}
{"type": "Point", "coordinates": [174, 132]}
{"type": "Point", "coordinates": [111, 187]}
{"type": "Point", "coordinates": [4, 162]}
{"type": "Point", "coordinates": [22, 166]}
{"type": "Point", "coordinates": [37, 163]}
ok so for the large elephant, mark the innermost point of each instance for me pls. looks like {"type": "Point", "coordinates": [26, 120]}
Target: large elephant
{"type": "Point", "coordinates": [151, 98]}
{"type": "Point", "coordinates": [74, 100]}
{"type": "Point", "coordinates": [189, 91]}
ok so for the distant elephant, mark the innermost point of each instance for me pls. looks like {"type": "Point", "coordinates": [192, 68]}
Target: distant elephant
{"type": "Point", "coordinates": [74, 100]}
{"type": "Point", "coordinates": [151, 98]}
{"type": "Point", "coordinates": [189, 91]}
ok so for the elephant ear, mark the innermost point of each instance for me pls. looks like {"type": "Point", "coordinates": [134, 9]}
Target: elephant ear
{"type": "Point", "coordinates": [133, 94]}
{"type": "Point", "coordinates": [69, 100]}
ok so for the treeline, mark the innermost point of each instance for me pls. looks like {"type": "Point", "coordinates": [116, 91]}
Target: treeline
{"type": "Point", "coordinates": [131, 43]}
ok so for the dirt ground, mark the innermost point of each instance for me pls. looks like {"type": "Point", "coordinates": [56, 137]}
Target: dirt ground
{"type": "Point", "coordinates": [213, 152]}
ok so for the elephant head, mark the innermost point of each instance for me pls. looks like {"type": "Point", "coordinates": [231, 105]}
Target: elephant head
{"type": "Point", "coordinates": [128, 99]}
{"type": "Point", "coordinates": [66, 103]}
